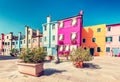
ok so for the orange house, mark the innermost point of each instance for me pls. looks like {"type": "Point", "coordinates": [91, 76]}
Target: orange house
{"type": "Point", "coordinates": [93, 37]}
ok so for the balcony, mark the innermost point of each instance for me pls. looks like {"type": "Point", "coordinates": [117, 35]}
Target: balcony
{"type": "Point", "coordinates": [74, 41]}
{"type": "Point", "coordinates": [61, 42]}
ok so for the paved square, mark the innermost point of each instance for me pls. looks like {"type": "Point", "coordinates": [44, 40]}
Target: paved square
{"type": "Point", "coordinates": [101, 69]}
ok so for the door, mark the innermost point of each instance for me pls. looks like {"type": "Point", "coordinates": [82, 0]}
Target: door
{"type": "Point", "coordinates": [92, 51]}
{"type": "Point", "coordinates": [54, 51]}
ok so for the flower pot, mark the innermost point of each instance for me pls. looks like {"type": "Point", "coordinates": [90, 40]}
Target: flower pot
{"type": "Point", "coordinates": [30, 68]}
{"type": "Point", "coordinates": [50, 57]}
{"type": "Point", "coordinates": [78, 64]}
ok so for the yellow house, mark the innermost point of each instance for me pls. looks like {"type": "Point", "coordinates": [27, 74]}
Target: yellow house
{"type": "Point", "coordinates": [93, 37]}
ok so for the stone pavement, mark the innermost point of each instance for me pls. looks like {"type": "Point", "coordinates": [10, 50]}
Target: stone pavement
{"type": "Point", "coordinates": [101, 69]}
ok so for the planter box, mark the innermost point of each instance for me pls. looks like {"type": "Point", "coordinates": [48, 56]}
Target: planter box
{"type": "Point", "coordinates": [30, 68]}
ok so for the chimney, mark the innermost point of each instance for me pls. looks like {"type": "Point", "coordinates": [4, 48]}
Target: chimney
{"type": "Point", "coordinates": [48, 19]}
{"type": "Point", "coordinates": [81, 12]}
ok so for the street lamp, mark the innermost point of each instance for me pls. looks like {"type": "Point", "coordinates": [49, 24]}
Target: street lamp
{"type": "Point", "coordinates": [58, 60]}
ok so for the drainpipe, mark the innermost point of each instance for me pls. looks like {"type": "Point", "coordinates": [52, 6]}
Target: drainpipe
{"type": "Point", "coordinates": [81, 26]}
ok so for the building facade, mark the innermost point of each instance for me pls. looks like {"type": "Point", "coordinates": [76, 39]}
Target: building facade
{"type": "Point", "coordinates": [93, 37]}
{"type": "Point", "coordinates": [1, 43]}
{"type": "Point", "coordinates": [8, 43]}
{"type": "Point", "coordinates": [33, 38]}
{"type": "Point", "coordinates": [69, 33]}
{"type": "Point", "coordinates": [50, 36]}
{"type": "Point", "coordinates": [113, 39]}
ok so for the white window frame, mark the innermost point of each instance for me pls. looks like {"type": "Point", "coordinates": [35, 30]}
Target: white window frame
{"type": "Point", "coordinates": [73, 35]}
{"type": "Point", "coordinates": [53, 26]}
{"type": "Point", "coordinates": [67, 48]}
{"type": "Point", "coordinates": [61, 37]}
{"type": "Point", "coordinates": [61, 48]}
{"type": "Point", "coordinates": [61, 24]}
{"type": "Point", "coordinates": [74, 21]}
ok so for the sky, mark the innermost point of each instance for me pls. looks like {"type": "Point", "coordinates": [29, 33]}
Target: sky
{"type": "Point", "coordinates": [15, 14]}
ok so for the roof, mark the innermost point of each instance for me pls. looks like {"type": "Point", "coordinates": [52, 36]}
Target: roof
{"type": "Point", "coordinates": [69, 17]}
{"type": "Point", "coordinates": [114, 24]}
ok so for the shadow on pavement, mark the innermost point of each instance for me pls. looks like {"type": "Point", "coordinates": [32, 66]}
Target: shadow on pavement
{"type": "Point", "coordinates": [49, 72]}
{"type": "Point", "coordinates": [7, 57]}
{"type": "Point", "coordinates": [91, 66]}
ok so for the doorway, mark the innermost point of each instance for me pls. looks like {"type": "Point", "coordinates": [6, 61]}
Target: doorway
{"type": "Point", "coordinates": [92, 51]}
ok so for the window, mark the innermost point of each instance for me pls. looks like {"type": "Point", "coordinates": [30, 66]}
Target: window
{"type": "Point", "coordinates": [61, 24]}
{"type": "Point", "coordinates": [16, 42]}
{"type": "Point", "coordinates": [73, 35]}
{"type": "Point", "coordinates": [108, 39]}
{"type": "Point", "coordinates": [107, 49]}
{"type": "Point", "coordinates": [45, 27]}
{"type": "Point", "coordinates": [109, 29]}
{"type": "Point", "coordinates": [40, 39]}
{"type": "Point", "coordinates": [74, 21]}
{"type": "Point", "coordinates": [33, 40]}
{"type": "Point", "coordinates": [98, 49]}
{"type": "Point", "coordinates": [2, 43]}
{"type": "Point", "coordinates": [20, 42]}
{"type": "Point", "coordinates": [28, 32]}
{"type": "Point", "coordinates": [2, 50]}
{"type": "Point", "coordinates": [61, 48]}
{"type": "Point", "coordinates": [84, 40]}
{"type": "Point", "coordinates": [34, 34]}
{"type": "Point", "coordinates": [85, 48]}
{"type": "Point", "coordinates": [99, 30]}
{"type": "Point", "coordinates": [7, 37]}
{"type": "Point", "coordinates": [5, 43]}
{"type": "Point", "coordinates": [53, 26]}
{"type": "Point", "coordinates": [93, 39]}
{"type": "Point", "coordinates": [119, 38]}
{"type": "Point", "coordinates": [13, 43]}
{"type": "Point", "coordinates": [61, 37]}
{"type": "Point", "coordinates": [53, 37]}
{"type": "Point", "coordinates": [29, 41]}
{"type": "Point", "coordinates": [24, 41]}
{"type": "Point", "coordinates": [45, 39]}
{"type": "Point", "coordinates": [67, 48]}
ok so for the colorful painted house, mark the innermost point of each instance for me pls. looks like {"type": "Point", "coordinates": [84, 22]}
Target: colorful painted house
{"type": "Point", "coordinates": [93, 37]}
{"type": "Point", "coordinates": [32, 37]}
{"type": "Point", "coordinates": [69, 33]}
{"type": "Point", "coordinates": [20, 41]}
{"type": "Point", "coordinates": [113, 39]}
{"type": "Point", "coordinates": [50, 30]}
{"type": "Point", "coordinates": [8, 43]}
{"type": "Point", "coordinates": [1, 43]}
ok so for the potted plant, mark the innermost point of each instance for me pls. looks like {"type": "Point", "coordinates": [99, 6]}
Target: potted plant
{"type": "Point", "coordinates": [32, 61]}
{"type": "Point", "coordinates": [14, 52]}
{"type": "Point", "coordinates": [79, 55]}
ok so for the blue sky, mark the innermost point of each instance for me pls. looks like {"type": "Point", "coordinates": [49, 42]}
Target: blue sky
{"type": "Point", "coordinates": [15, 14]}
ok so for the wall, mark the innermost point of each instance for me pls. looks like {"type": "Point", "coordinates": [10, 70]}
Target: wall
{"type": "Point", "coordinates": [91, 32]}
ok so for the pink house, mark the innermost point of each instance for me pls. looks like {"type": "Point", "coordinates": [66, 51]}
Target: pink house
{"type": "Point", "coordinates": [113, 39]}
{"type": "Point", "coordinates": [1, 43]}
{"type": "Point", "coordinates": [69, 33]}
